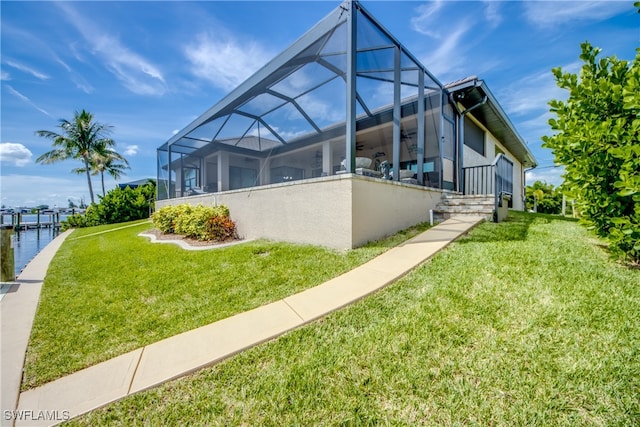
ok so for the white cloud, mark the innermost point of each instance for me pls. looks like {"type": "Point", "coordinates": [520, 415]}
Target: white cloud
{"type": "Point", "coordinates": [426, 19]}
{"type": "Point", "coordinates": [27, 100]}
{"type": "Point", "coordinates": [551, 13]}
{"type": "Point", "coordinates": [491, 13]}
{"type": "Point", "coordinates": [17, 154]}
{"type": "Point", "coordinates": [61, 62]}
{"type": "Point", "coordinates": [533, 129]}
{"type": "Point", "coordinates": [131, 150]}
{"type": "Point", "coordinates": [450, 47]}
{"type": "Point", "coordinates": [81, 83]}
{"type": "Point", "coordinates": [533, 92]}
{"type": "Point", "coordinates": [321, 110]}
{"type": "Point", "coordinates": [530, 94]}
{"type": "Point", "coordinates": [137, 75]}
{"type": "Point", "coordinates": [550, 175]}
{"type": "Point", "coordinates": [27, 69]}
{"type": "Point", "coordinates": [225, 62]}
{"type": "Point", "coordinates": [135, 72]}
{"type": "Point", "coordinates": [448, 61]}
{"type": "Point", "coordinates": [286, 135]}
{"type": "Point", "coordinates": [4, 75]}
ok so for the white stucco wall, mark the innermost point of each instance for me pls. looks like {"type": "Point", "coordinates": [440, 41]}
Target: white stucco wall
{"type": "Point", "coordinates": [473, 158]}
{"type": "Point", "coordinates": [518, 186]}
{"type": "Point", "coordinates": [341, 212]}
{"type": "Point", "coordinates": [383, 208]}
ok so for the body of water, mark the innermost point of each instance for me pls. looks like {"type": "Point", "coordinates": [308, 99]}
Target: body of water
{"type": "Point", "coordinates": [27, 243]}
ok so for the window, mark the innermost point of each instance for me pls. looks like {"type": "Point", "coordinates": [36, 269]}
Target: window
{"type": "Point", "coordinates": [473, 137]}
{"type": "Point", "coordinates": [191, 178]}
{"type": "Point", "coordinates": [242, 177]}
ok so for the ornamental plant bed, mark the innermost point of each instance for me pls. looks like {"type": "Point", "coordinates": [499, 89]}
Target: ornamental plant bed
{"type": "Point", "coordinates": [159, 235]}
{"type": "Point", "coordinates": [202, 223]}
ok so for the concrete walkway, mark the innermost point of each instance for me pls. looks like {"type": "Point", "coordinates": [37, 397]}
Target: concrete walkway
{"type": "Point", "coordinates": [17, 310]}
{"type": "Point", "coordinates": [185, 353]}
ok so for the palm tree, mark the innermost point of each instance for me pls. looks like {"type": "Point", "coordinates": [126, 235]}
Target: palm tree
{"type": "Point", "coordinates": [109, 161]}
{"type": "Point", "coordinates": [79, 139]}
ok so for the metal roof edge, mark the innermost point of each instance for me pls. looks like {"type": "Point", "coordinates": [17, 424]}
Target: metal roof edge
{"type": "Point", "coordinates": [474, 81]}
{"type": "Point", "coordinates": [503, 116]}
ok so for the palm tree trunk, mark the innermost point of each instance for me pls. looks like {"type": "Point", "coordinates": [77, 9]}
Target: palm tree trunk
{"type": "Point", "coordinates": [86, 167]}
{"type": "Point", "coordinates": [102, 178]}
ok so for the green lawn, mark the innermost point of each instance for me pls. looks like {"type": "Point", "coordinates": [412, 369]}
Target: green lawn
{"type": "Point", "coordinates": [527, 322]}
{"type": "Point", "coordinates": [109, 291]}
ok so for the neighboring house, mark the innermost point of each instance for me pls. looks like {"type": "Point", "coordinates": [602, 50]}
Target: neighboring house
{"type": "Point", "coordinates": [135, 184]}
{"type": "Point", "coordinates": [341, 139]}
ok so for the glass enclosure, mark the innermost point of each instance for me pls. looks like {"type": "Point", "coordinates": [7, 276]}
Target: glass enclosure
{"type": "Point", "coordinates": [289, 121]}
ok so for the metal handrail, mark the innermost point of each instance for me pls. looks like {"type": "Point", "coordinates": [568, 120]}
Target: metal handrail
{"type": "Point", "coordinates": [496, 179]}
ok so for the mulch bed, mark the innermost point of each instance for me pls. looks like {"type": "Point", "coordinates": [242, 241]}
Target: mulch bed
{"type": "Point", "coordinates": [192, 242]}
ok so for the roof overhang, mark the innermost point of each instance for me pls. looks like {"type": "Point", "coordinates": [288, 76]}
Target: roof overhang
{"type": "Point", "coordinates": [470, 93]}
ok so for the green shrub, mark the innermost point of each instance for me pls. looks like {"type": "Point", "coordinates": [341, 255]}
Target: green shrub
{"type": "Point", "coordinates": [544, 198]}
{"type": "Point", "coordinates": [164, 219]}
{"type": "Point", "coordinates": [192, 221]}
{"type": "Point", "coordinates": [118, 205]}
{"type": "Point", "coordinates": [220, 228]}
{"type": "Point", "coordinates": [128, 204]}
{"type": "Point", "coordinates": [596, 135]}
{"type": "Point", "coordinates": [197, 222]}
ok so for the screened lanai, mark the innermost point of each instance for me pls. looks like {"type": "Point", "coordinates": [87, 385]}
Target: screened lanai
{"type": "Point", "coordinates": [346, 97]}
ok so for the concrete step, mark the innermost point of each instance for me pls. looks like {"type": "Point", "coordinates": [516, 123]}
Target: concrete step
{"type": "Point", "coordinates": [480, 205]}
{"type": "Point", "coordinates": [467, 200]}
{"type": "Point", "coordinates": [440, 215]}
{"type": "Point", "coordinates": [466, 196]}
{"type": "Point", "coordinates": [458, 205]}
{"type": "Point", "coordinates": [463, 209]}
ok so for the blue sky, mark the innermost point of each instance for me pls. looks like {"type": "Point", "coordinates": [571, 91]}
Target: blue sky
{"type": "Point", "coordinates": [150, 68]}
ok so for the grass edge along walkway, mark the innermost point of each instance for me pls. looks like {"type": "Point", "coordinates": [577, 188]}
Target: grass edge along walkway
{"type": "Point", "coordinates": [157, 363]}
{"type": "Point", "coordinates": [114, 292]}
{"type": "Point", "coordinates": [526, 322]}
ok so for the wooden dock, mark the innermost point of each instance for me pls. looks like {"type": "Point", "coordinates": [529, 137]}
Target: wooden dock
{"type": "Point", "coordinates": [36, 225]}
{"type": "Point", "coordinates": [20, 225]}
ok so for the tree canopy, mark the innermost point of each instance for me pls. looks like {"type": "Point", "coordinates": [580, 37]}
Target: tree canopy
{"type": "Point", "coordinates": [543, 198]}
{"type": "Point", "coordinates": [597, 134]}
{"type": "Point", "coordinates": [82, 139]}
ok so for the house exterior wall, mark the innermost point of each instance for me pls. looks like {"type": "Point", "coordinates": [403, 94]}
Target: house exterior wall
{"type": "Point", "coordinates": [518, 185]}
{"type": "Point", "coordinates": [340, 212]}
{"type": "Point", "coordinates": [473, 158]}
{"type": "Point", "coordinates": [383, 208]}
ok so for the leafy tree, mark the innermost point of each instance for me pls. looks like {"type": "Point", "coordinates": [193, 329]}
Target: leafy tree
{"type": "Point", "coordinates": [128, 204]}
{"type": "Point", "coordinates": [79, 139]}
{"type": "Point", "coordinates": [544, 197]}
{"type": "Point", "coordinates": [597, 133]}
{"type": "Point", "coordinates": [118, 205]}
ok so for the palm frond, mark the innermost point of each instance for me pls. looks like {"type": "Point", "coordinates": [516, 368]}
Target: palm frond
{"type": "Point", "coordinates": [86, 140]}
{"type": "Point", "coordinates": [53, 156]}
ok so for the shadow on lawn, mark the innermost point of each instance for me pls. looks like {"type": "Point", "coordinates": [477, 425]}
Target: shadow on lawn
{"type": "Point", "coordinates": [514, 228]}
